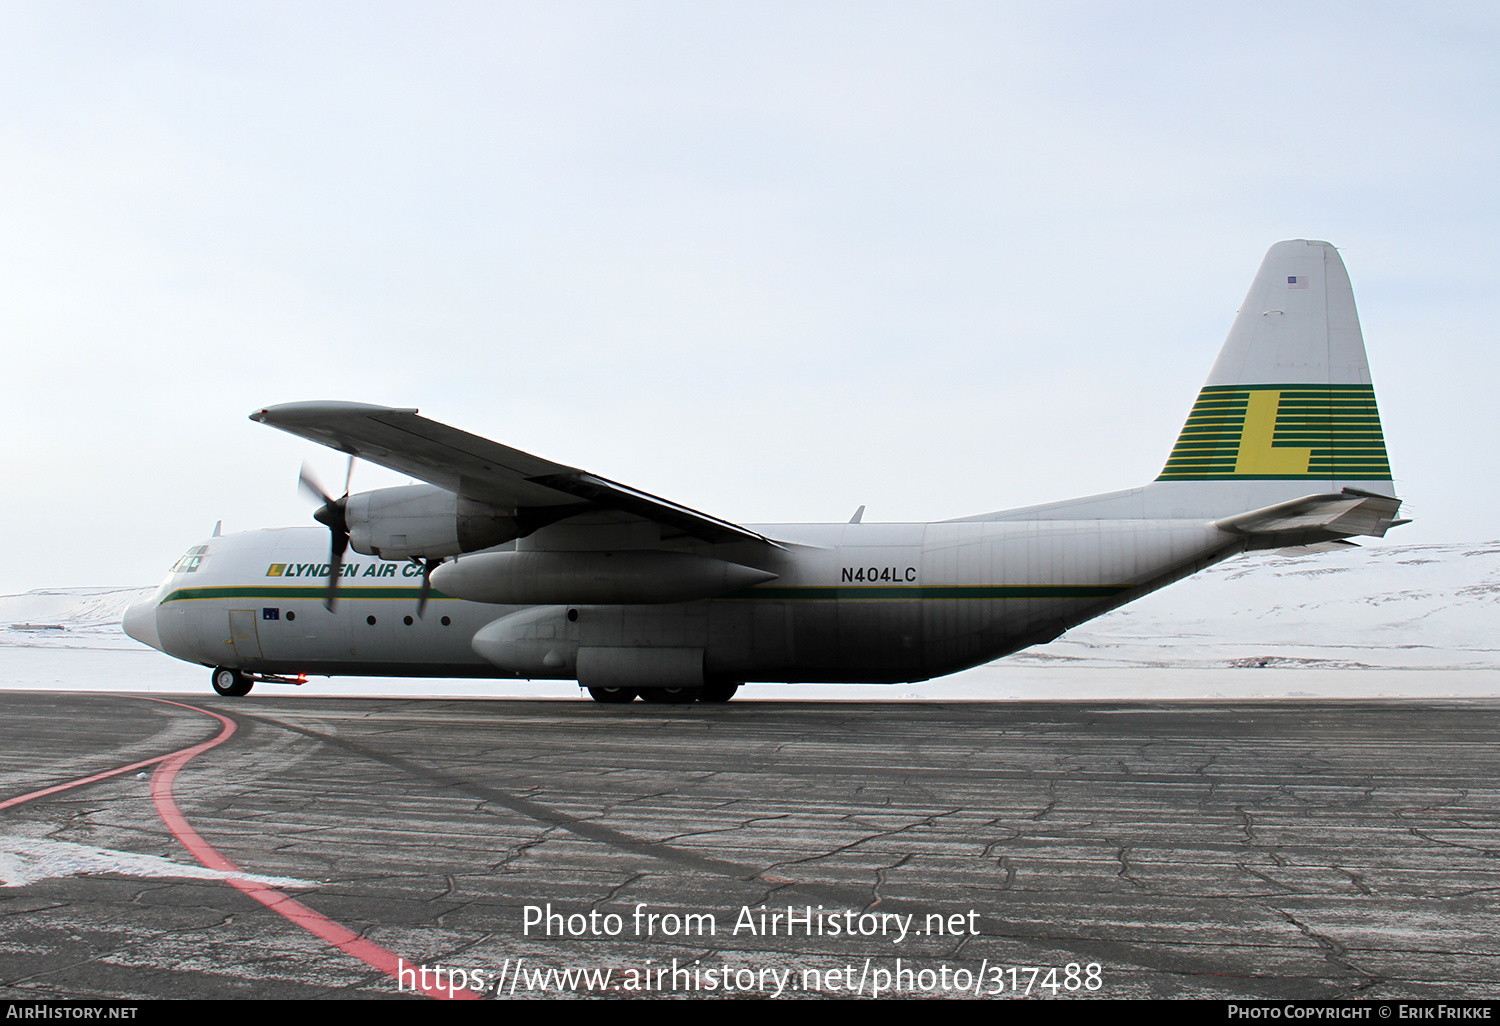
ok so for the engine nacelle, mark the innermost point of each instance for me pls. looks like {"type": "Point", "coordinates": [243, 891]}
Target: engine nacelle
{"type": "Point", "coordinates": [625, 577]}
{"type": "Point", "coordinates": [423, 520]}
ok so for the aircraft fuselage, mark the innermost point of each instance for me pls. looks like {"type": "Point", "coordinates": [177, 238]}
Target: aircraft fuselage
{"type": "Point", "coordinates": [859, 603]}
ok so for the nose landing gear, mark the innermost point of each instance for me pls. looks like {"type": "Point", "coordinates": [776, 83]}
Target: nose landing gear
{"type": "Point", "coordinates": [231, 683]}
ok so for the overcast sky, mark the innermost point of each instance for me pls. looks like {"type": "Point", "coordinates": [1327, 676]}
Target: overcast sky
{"type": "Point", "coordinates": [768, 260]}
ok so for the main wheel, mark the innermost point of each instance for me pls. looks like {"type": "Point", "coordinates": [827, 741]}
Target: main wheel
{"type": "Point", "coordinates": [717, 692]}
{"type": "Point", "coordinates": [231, 683]}
{"type": "Point", "coordinates": [611, 695]}
{"type": "Point", "coordinates": [670, 696]}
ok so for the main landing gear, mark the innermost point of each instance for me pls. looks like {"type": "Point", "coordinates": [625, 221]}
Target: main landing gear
{"type": "Point", "coordinates": [717, 692]}
{"type": "Point", "coordinates": [231, 683]}
{"type": "Point", "coordinates": [610, 696]}
{"type": "Point", "coordinates": [665, 696]}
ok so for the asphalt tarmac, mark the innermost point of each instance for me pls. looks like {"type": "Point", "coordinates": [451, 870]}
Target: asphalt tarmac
{"type": "Point", "coordinates": [323, 847]}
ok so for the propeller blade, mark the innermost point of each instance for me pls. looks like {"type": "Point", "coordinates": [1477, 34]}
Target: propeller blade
{"type": "Point", "coordinates": [428, 566]}
{"type": "Point", "coordinates": [335, 569]}
{"type": "Point", "coordinates": [309, 483]}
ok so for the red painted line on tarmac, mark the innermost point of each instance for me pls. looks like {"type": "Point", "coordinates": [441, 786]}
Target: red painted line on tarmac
{"type": "Point", "coordinates": [106, 774]}
{"type": "Point", "coordinates": [81, 781]}
{"type": "Point", "coordinates": [319, 925]}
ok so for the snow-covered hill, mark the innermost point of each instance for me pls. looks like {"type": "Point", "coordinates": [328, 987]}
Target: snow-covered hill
{"type": "Point", "coordinates": [1396, 606]}
{"type": "Point", "coordinates": [67, 618]}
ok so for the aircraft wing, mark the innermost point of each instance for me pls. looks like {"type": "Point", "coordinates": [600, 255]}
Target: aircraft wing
{"type": "Point", "coordinates": [479, 469]}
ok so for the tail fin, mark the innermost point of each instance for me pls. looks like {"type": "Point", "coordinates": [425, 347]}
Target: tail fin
{"type": "Point", "coordinates": [1285, 428]}
{"type": "Point", "coordinates": [1289, 399]}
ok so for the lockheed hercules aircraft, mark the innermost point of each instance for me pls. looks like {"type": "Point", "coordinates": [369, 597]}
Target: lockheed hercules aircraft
{"type": "Point", "coordinates": [504, 564]}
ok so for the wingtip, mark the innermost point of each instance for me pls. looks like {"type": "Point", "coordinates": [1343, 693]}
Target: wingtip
{"type": "Point", "coordinates": [292, 413]}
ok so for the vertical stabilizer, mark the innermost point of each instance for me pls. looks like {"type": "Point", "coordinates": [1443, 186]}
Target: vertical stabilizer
{"type": "Point", "coordinates": [1288, 411]}
{"type": "Point", "coordinates": [1289, 399]}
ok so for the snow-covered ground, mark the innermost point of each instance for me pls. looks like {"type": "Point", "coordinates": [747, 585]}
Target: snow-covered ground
{"type": "Point", "coordinates": [1392, 621]}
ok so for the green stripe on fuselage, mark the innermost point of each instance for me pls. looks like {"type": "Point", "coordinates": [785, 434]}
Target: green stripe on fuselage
{"type": "Point", "coordinates": [916, 592]}
{"type": "Point", "coordinates": [832, 593]}
{"type": "Point", "coordinates": [346, 593]}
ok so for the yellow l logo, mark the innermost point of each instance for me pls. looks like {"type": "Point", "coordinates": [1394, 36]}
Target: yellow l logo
{"type": "Point", "coordinates": [1256, 456]}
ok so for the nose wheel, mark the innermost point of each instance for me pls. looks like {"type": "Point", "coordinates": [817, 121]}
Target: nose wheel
{"type": "Point", "coordinates": [231, 683]}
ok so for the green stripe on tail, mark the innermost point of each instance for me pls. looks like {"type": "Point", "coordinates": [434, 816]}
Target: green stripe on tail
{"type": "Point", "coordinates": [1281, 432]}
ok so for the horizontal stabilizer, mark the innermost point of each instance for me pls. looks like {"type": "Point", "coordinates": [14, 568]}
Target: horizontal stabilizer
{"type": "Point", "coordinates": [1314, 519]}
{"type": "Point", "coordinates": [1309, 550]}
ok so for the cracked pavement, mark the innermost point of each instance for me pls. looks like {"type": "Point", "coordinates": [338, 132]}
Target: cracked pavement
{"type": "Point", "coordinates": [1214, 849]}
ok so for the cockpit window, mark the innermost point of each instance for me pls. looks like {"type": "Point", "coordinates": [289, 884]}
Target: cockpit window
{"type": "Point", "coordinates": [189, 563]}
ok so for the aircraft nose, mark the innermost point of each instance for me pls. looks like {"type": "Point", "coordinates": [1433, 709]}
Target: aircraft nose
{"type": "Point", "coordinates": [139, 622]}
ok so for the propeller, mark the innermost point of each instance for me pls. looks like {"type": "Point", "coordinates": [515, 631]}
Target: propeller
{"type": "Point", "coordinates": [331, 516]}
{"type": "Point", "coordinates": [428, 566]}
